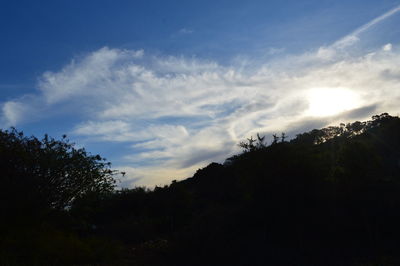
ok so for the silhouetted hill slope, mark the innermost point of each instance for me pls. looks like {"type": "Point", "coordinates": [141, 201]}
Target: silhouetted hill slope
{"type": "Point", "coordinates": [327, 197]}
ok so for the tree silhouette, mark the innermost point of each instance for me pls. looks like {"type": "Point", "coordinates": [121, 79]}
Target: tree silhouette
{"type": "Point", "coordinates": [275, 139]}
{"type": "Point", "coordinates": [49, 173]}
{"type": "Point", "coordinates": [283, 137]}
{"type": "Point", "coordinates": [253, 144]}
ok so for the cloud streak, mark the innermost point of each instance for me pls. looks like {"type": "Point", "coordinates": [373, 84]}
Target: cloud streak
{"type": "Point", "coordinates": [354, 36]}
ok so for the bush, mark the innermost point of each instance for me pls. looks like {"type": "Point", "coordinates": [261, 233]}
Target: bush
{"type": "Point", "coordinates": [47, 174]}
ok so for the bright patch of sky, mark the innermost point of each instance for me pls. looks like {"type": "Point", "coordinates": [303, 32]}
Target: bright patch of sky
{"type": "Point", "coordinates": [162, 88]}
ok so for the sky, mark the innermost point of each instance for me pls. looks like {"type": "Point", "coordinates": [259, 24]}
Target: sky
{"type": "Point", "coordinates": [163, 88]}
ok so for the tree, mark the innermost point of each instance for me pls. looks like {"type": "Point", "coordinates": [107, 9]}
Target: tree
{"type": "Point", "coordinates": [48, 173]}
{"type": "Point", "coordinates": [249, 145]}
{"type": "Point", "coordinates": [253, 144]}
{"type": "Point", "coordinates": [275, 139]}
{"type": "Point", "coordinates": [283, 137]}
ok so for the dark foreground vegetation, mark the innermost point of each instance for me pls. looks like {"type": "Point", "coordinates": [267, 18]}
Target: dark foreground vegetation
{"type": "Point", "coordinates": [327, 197]}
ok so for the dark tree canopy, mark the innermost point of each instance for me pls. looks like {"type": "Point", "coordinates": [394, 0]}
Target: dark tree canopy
{"type": "Point", "coordinates": [48, 173]}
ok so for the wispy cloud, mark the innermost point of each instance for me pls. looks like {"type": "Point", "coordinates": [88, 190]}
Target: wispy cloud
{"type": "Point", "coordinates": [274, 50]}
{"type": "Point", "coordinates": [354, 36]}
{"type": "Point", "coordinates": [186, 31]}
{"type": "Point", "coordinates": [177, 114]}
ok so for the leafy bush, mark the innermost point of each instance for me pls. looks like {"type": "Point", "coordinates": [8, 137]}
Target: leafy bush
{"type": "Point", "coordinates": [47, 173]}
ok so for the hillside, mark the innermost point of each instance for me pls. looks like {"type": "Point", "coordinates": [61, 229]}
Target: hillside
{"type": "Point", "coordinates": [327, 197]}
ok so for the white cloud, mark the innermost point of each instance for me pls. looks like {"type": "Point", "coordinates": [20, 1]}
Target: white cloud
{"type": "Point", "coordinates": [178, 113]}
{"type": "Point", "coordinates": [87, 76]}
{"type": "Point", "coordinates": [106, 130]}
{"type": "Point", "coordinates": [24, 109]}
{"type": "Point", "coordinates": [387, 47]}
{"type": "Point", "coordinates": [13, 111]}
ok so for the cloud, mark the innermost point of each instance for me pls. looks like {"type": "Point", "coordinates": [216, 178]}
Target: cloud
{"type": "Point", "coordinates": [360, 112]}
{"type": "Point", "coordinates": [87, 76]}
{"type": "Point", "coordinates": [185, 31]}
{"type": "Point", "coordinates": [176, 114]}
{"type": "Point", "coordinates": [354, 37]}
{"type": "Point", "coordinates": [274, 50]}
{"type": "Point", "coordinates": [106, 130]}
{"type": "Point", "coordinates": [13, 111]}
{"type": "Point", "coordinates": [391, 74]}
{"type": "Point", "coordinates": [27, 108]}
{"type": "Point", "coordinates": [387, 47]}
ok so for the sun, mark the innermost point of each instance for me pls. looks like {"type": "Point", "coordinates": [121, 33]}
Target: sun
{"type": "Point", "coordinates": [331, 101]}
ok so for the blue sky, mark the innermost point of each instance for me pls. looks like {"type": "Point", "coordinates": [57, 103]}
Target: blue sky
{"type": "Point", "coordinates": [161, 88]}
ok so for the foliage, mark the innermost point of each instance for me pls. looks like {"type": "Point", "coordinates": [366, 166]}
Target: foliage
{"type": "Point", "coordinates": [48, 173]}
{"type": "Point", "coordinates": [51, 246]}
{"type": "Point", "coordinates": [253, 144]}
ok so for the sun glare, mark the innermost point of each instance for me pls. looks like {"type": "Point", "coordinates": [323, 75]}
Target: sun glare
{"type": "Point", "coordinates": [331, 101]}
